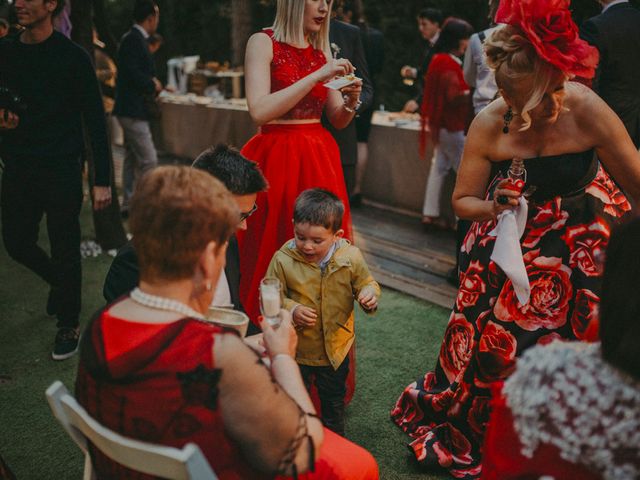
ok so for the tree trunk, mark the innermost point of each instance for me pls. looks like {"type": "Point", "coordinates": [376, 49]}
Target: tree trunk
{"type": "Point", "coordinates": [82, 22]}
{"type": "Point", "coordinates": [107, 222]}
{"type": "Point", "coordinates": [241, 29]}
{"type": "Point", "coordinates": [102, 27]}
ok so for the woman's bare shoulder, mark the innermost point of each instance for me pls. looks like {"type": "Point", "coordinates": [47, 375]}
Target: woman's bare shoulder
{"type": "Point", "coordinates": [490, 118]}
{"type": "Point", "coordinates": [260, 40]}
{"type": "Point", "coordinates": [260, 46]}
{"type": "Point", "coordinates": [580, 99]}
{"type": "Point", "coordinates": [227, 345]}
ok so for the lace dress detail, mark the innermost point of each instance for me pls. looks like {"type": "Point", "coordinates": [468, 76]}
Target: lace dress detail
{"type": "Point", "coordinates": [157, 383]}
{"type": "Point", "coordinates": [289, 65]}
{"type": "Point", "coordinates": [566, 395]}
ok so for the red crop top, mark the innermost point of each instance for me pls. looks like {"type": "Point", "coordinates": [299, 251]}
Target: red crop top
{"type": "Point", "coordinates": [289, 65]}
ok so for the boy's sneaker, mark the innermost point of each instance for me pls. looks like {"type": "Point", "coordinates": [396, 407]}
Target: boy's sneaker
{"type": "Point", "coordinates": [66, 343]}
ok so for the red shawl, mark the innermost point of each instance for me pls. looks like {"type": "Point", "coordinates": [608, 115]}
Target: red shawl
{"type": "Point", "coordinates": [444, 104]}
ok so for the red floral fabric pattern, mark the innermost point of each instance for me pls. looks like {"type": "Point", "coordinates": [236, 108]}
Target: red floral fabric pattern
{"type": "Point", "coordinates": [551, 291]}
{"type": "Point", "coordinates": [456, 349]}
{"type": "Point", "coordinates": [471, 286]}
{"type": "Point", "coordinates": [587, 244]}
{"type": "Point", "coordinates": [446, 411]}
{"type": "Point", "coordinates": [496, 356]}
{"type": "Point", "coordinates": [585, 320]}
{"type": "Point", "coordinates": [478, 231]}
{"type": "Point", "coordinates": [605, 190]}
{"type": "Point", "coordinates": [549, 217]}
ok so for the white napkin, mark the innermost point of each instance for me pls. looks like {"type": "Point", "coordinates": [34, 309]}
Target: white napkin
{"type": "Point", "coordinates": [507, 252]}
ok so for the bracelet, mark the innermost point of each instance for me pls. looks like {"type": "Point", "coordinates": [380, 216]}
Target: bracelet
{"type": "Point", "coordinates": [275, 357]}
{"type": "Point", "coordinates": [354, 109]}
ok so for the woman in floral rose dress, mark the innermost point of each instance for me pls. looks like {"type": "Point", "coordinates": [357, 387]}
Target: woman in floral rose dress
{"type": "Point", "coordinates": [568, 137]}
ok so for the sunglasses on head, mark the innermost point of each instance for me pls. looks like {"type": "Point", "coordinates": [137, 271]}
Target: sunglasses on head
{"type": "Point", "coordinates": [245, 215]}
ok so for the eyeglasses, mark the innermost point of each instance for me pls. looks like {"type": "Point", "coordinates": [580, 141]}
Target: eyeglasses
{"type": "Point", "coordinates": [245, 215]}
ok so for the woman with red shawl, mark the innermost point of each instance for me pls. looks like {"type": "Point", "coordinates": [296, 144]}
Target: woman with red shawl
{"type": "Point", "coordinates": [569, 202]}
{"type": "Point", "coordinates": [445, 109]}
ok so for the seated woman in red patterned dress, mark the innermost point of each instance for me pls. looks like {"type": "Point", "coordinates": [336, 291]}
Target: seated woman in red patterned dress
{"type": "Point", "coordinates": [563, 131]}
{"type": "Point", "coordinates": [285, 69]}
{"type": "Point", "coordinates": [152, 368]}
{"type": "Point", "coordinates": [572, 410]}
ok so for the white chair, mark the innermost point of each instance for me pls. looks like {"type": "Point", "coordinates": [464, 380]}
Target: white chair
{"type": "Point", "coordinates": [166, 462]}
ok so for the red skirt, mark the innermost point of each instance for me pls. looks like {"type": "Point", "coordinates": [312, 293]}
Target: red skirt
{"type": "Point", "coordinates": [293, 158]}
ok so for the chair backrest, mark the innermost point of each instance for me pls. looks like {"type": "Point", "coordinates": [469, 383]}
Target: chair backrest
{"type": "Point", "coordinates": [166, 462]}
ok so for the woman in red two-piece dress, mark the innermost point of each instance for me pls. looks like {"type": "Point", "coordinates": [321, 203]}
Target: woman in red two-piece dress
{"type": "Point", "coordinates": [285, 69]}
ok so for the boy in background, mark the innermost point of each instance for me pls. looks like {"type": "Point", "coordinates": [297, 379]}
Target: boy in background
{"type": "Point", "coordinates": [321, 273]}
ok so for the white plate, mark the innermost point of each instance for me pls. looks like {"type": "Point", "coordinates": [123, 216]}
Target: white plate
{"type": "Point", "coordinates": [341, 82]}
{"type": "Point", "coordinates": [202, 100]}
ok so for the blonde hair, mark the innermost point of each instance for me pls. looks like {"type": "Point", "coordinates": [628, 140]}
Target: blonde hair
{"type": "Point", "coordinates": [289, 25]}
{"type": "Point", "coordinates": [175, 212]}
{"type": "Point", "coordinates": [513, 59]}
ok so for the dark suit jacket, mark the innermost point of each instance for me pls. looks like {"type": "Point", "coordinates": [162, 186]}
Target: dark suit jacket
{"type": "Point", "coordinates": [616, 34]}
{"type": "Point", "coordinates": [135, 76]}
{"type": "Point", "coordinates": [124, 274]}
{"type": "Point", "coordinates": [421, 70]}
{"type": "Point", "coordinates": [347, 37]}
{"type": "Point", "coordinates": [373, 43]}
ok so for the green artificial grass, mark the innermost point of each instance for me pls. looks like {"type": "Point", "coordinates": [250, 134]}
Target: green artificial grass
{"type": "Point", "coordinates": [393, 348]}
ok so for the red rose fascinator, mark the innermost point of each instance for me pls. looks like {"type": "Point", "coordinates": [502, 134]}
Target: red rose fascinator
{"type": "Point", "coordinates": [547, 24]}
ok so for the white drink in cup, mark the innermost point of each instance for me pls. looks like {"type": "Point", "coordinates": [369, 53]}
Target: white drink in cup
{"type": "Point", "coordinates": [270, 300]}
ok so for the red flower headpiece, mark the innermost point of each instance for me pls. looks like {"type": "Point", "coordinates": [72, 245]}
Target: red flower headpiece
{"type": "Point", "coordinates": [547, 24]}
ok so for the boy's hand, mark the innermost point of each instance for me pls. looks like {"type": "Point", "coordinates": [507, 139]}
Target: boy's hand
{"type": "Point", "coordinates": [367, 299]}
{"type": "Point", "coordinates": [304, 316]}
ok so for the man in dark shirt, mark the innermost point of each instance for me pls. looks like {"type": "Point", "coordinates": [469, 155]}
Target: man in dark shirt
{"type": "Point", "coordinates": [41, 146]}
{"type": "Point", "coordinates": [429, 24]}
{"type": "Point", "coordinates": [244, 180]}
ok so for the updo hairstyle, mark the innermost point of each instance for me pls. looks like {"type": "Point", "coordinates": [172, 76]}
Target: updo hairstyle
{"type": "Point", "coordinates": [513, 58]}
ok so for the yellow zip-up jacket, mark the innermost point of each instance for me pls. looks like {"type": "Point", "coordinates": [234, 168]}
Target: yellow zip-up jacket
{"type": "Point", "coordinates": [330, 293]}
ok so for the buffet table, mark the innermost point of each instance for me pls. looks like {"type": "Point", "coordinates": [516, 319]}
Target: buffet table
{"type": "Point", "coordinates": [188, 128]}
{"type": "Point", "coordinates": [395, 176]}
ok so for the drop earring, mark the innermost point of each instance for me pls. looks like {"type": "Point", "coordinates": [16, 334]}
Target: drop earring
{"type": "Point", "coordinates": [508, 116]}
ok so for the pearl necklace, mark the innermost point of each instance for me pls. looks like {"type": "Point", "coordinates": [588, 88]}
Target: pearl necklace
{"type": "Point", "coordinates": [163, 303]}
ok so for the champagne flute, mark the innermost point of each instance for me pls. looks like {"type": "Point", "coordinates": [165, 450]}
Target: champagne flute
{"type": "Point", "coordinates": [270, 302]}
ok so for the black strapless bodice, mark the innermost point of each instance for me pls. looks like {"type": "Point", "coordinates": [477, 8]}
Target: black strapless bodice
{"type": "Point", "coordinates": [557, 175]}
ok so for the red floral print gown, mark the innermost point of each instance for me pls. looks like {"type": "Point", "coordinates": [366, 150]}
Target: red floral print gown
{"type": "Point", "coordinates": [568, 227]}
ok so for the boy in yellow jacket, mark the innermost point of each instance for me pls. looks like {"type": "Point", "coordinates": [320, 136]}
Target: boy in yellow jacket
{"type": "Point", "coordinates": [321, 273]}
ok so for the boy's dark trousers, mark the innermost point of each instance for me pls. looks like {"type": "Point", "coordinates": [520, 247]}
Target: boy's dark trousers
{"type": "Point", "coordinates": [332, 388]}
